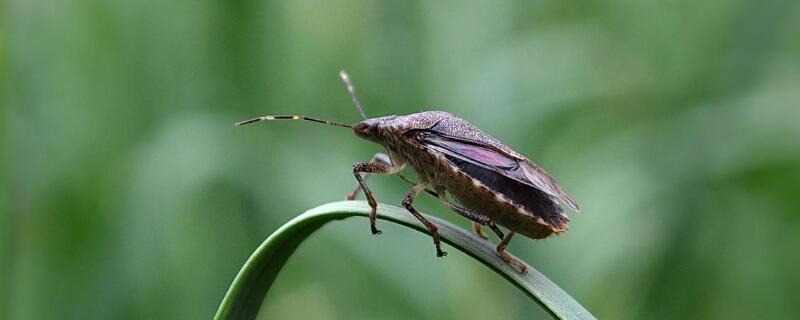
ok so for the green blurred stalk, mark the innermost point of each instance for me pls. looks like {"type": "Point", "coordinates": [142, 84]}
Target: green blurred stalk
{"type": "Point", "coordinates": [246, 294]}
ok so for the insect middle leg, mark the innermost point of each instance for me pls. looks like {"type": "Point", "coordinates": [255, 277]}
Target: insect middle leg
{"type": "Point", "coordinates": [364, 167]}
{"type": "Point", "coordinates": [408, 200]}
{"type": "Point", "coordinates": [501, 250]}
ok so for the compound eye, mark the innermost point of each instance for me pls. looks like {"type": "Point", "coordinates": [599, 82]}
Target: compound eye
{"type": "Point", "coordinates": [374, 126]}
{"type": "Point", "coordinates": [361, 126]}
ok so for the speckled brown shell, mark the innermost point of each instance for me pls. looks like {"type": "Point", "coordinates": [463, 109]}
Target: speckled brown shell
{"type": "Point", "coordinates": [445, 173]}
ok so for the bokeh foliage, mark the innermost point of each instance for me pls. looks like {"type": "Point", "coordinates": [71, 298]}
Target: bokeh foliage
{"type": "Point", "coordinates": [129, 194]}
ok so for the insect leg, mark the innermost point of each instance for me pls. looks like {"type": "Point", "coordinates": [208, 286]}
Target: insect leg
{"type": "Point", "coordinates": [408, 200]}
{"type": "Point", "coordinates": [378, 158]}
{"type": "Point", "coordinates": [501, 250]}
{"type": "Point", "coordinates": [382, 158]}
{"type": "Point", "coordinates": [478, 229]}
{"type": "Point", "coordinates": [478, 219]}
{"type": "Point", "coordinates": [492, 226]}
{"type": "Point", "coordinates": [360, 167]}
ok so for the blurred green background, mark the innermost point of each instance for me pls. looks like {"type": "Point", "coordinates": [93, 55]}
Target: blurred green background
{"type": "Point", "coordinates": [128, 193]}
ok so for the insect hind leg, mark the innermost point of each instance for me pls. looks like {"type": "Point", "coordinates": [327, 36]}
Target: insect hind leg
{"type": "Point", "coordinates": [478, 229]}
{"type": "Point", "coordinates": [501, 251]}
{"type": "Point", "coordinates": [478, 220]}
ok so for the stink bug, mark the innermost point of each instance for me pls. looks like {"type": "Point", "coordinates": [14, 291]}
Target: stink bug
{"type": "Point", "coordinates": [490, 183]}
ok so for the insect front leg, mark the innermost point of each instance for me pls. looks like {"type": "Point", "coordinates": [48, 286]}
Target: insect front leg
{"type": "Point", "coordinates": [501, 250]}
{"type": "Point", "coordinates": [378, 158]}
{"type": "Point", "coordinates": [364, 167]}
{"type": "Point", "coordinates": [478, 220]}
{"type": "Point", "coordinates": [407, 203]}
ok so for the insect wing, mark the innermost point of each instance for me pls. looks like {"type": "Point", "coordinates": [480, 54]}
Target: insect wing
{"type": "Point", "coordinates": [491, 158]}
{"type": "Point", "coordinates": [543, 181]}
{"type": "Point", "coordinates": [477, 153]}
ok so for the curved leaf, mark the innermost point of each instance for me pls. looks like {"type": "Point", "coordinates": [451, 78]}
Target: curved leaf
{"type": "Point", "coordinates": [247, 292]}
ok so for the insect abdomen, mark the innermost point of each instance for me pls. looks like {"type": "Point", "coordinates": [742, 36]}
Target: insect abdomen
{"type": "Point", "coordinates": [516, 206]}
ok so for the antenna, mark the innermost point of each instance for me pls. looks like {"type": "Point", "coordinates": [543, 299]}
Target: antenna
{"type": "Point", "coordinates": [352, 91]}
{"type": "Point", "coordinates": [290, 117]}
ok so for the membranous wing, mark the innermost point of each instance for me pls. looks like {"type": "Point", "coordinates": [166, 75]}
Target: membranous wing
{"type": "Point", "coordinates": [494, 159]}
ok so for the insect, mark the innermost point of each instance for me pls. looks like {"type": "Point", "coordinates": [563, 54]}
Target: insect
{"type": "Point", "coordinates": [487, 182]}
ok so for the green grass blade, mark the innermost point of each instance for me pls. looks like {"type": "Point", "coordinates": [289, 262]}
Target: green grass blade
{"type": "Point", "coordinates": [247, 292]}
